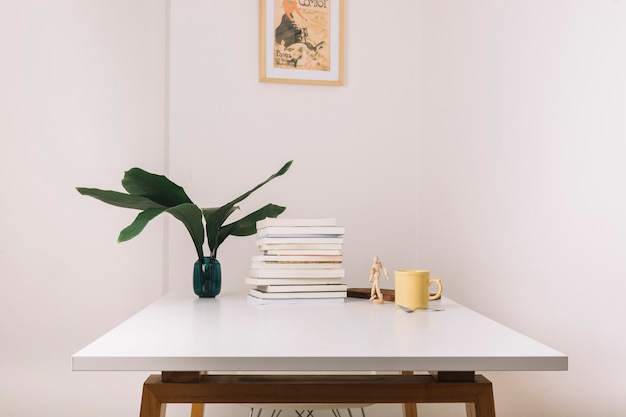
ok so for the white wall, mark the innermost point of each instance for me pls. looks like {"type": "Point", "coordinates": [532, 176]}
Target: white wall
{"type": "Point", "coordinates": [84, 99]}
{"type": "Point", "coordinates": [487, 149]}
{"type": "Point", "coordinates": [81, 100]}
{"type": "Point", "coordinates": [522, 184]}
{"type": "Point", "coordinates": [353, 146]}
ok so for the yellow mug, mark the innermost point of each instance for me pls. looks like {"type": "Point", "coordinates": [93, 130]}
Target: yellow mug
{"type": "Point", "coordinates": [412, 289]}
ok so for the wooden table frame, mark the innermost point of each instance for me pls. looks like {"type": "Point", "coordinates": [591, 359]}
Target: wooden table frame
{"type": "Point", "coordinates": [408, 389]}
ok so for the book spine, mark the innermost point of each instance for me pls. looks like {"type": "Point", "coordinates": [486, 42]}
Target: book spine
{"type": "Point", "coordinates": [280, 295]}
{"type": "Point", "coordinates": [336, 246]}
{"type": "Point", "coordinates": [282, 221]}
{"type": "Point", "coordinates": [309, 252]}
{"type": "Point", "coordinates": [297, 258]}
{"type": "Point", "coordinates": [301, 231]}
{"type": "Point", "coordinates": [296, 265]}
{"type": "Point", "coordinates": [299, 240]}
{"type": "Point", "coordinates": [291, 281]}
{"type": "Point", "coordinates": [302, 288]}
{"type": "Point", "coordinates": [297, 273]}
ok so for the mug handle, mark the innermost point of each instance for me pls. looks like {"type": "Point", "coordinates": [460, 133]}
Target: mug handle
{"type": "Point", "coordinates": [439, 290]}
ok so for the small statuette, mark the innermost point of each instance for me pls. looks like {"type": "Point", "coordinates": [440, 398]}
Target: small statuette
{"type": "Point", "coordinates": [376, 296]}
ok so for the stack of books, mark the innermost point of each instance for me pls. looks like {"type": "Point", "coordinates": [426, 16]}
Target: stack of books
{"type": "Point", "coordinates": [300, 262]}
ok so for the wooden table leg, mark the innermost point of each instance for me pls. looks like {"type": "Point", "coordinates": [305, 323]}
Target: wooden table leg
{"type": "Point", "coordinates": [197, 410]}
{"type": "Point", "coordinates": [151, 406]}
{"type": "Point", "coordinates": [484, 406]}
{"type": "Point", "coordinates": [409, 409]}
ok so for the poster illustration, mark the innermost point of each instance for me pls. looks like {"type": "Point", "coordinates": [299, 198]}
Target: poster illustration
{"type": "Point", "coordinates": [301, 41]}
{"type": "Point", "coordinates": [302, 34]}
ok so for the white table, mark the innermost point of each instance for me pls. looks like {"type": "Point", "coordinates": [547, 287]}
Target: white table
{"type": "Point", "coordinates": [182, 335]}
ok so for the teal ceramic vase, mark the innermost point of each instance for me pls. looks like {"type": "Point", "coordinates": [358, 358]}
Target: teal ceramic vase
{"type": "Point", "coordinates": [207, 277]}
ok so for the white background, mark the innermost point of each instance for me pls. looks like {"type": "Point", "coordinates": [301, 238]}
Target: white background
{"type": "Point", "coordinates": [483, 140]}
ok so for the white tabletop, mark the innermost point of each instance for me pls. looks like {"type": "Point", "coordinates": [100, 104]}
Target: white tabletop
{"type": "Point", "coordinates": [227, 333]}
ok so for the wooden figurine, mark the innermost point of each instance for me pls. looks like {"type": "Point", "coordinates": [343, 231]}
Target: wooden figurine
{"type": "Point", "coordinates": [376, 295]}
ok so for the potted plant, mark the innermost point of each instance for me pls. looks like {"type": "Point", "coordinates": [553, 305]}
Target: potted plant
{"type": "Point", "coordinates": [155, 194]}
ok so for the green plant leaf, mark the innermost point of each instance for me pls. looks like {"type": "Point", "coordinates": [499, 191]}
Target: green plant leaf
{"type": "Point", "coordinates": [210, 211]}
{"type": "Point", "coordinates": [157, 188]}
{"type": "Point", "coordinates": [246, 226]}
{"type": "Point", "coordinates": [139, 224]}
{"type": "Point", "coordinates": [154, 194]}
{"type": "Point", "coordinates": [118, 199]}
{"type": "Point", "coordinates": [191, 216]}
{"type": "Point", "coordinates": [280, 172]}
{"type": "Point", "coordinates": [213, 234]}
{"type": "Point", "coordinates": [219, 216]}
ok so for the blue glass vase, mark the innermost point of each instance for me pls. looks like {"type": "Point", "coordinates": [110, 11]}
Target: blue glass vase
{"type": "Point", "coordinates": [207, 277]}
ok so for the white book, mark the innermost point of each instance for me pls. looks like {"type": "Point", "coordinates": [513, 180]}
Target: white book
{"type": "Point", "coordinates": [294, 265]}
{"type": "Point", "coordinates": [291, 281]}
{"type": "Point", "coordinates": [302, 288]}
{"type": "Point", "coordinates": [300, 231]}
{"type": "Point", "coordinates": [297, 258]}
{"type": "Point", "coordinates": [296, 295]}
{"type": "Point", "coordinates": [309, 252]}
{"type": "Point", "coordinates": [307, 246]}
{"type": "Point", "coordinates": [287, 301]}
{"type": "Point", "coordinates": [281, 240]}
{"type": "Point", "coordinates": [284, 221]}
{"type": "Point", "coordinates": [297, 273]}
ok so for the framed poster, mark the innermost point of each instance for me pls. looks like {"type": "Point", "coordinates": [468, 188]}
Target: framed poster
{"type": "Point", "coordinates": [301, 41]}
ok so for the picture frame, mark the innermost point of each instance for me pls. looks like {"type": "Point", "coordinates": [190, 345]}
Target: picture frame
{"type": "Point", "coordinates": [301, 41]}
